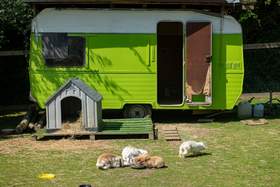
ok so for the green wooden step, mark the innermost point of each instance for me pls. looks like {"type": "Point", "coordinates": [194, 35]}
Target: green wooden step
{"type": "Point", "coordinates": [128, 120]}
{"type": "Point", "coordinates": [120, 133]}
{"type": "Point", "coordinates": [123, 124]}
{"type": "Point", "coordinates": [125, 131]}
{"type": "Point", "coordinates": [128, 129]}
{"type": "Point", "coordinates": [126, 126]}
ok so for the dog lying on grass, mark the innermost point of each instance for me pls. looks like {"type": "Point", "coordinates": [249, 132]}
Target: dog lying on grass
{"type": "Point", "coordinates": [192, 147]}
{"type": "Point", "coordinates": [129, 153]}
{"type": "Point", "coordinates": [108, 160]}
{"type": "Point", "coordinates": [147, 161]}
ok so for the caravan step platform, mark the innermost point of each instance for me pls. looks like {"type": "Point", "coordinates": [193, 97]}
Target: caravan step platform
{"type": "Point", "coordinates": [171, 134]}
{"type": "Point", "coordinates": [120, 128]}
{"type": "Point", "coordinates": [199, 104]}
{"type": "Point", "coordinates": [129, 126]}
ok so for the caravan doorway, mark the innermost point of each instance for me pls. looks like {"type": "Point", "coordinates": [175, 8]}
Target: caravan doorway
{"type": "Point", "coordinates": [170, 63]}
{"type": "Point", "coordinates": [198, 58]}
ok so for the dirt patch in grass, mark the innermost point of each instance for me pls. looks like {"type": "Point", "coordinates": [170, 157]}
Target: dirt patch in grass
{"type": "Point", "coordinates": [15, 145]}
{"type": "Point", "coordinates": [195, 132]}
{"type": "Point", "coordinates": [189, 129]}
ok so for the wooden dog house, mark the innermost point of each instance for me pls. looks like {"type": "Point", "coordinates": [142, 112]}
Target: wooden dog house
{"type": "Point", "coordinates": [74, 96]}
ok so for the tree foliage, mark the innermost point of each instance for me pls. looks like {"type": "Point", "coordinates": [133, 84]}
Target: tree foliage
{"type": "Point", "coordinates": [261, 24]}
{"type": "Point", "coordinates": [15, 19]}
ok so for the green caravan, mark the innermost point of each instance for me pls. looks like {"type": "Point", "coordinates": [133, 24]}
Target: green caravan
{"type": "Point", "coordinates": [139, 60]}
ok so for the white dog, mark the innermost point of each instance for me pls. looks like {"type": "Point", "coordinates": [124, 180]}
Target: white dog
{"type": "Point", "coordinates": [129, 153]}
{"type": "Point", "coordinates": [108, 160]}
{"type": "Point", "coordinates": [191, 147]}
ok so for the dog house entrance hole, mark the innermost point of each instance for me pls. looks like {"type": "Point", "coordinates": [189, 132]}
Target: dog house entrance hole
{"type": "Point", "coordinates": [71, 114]}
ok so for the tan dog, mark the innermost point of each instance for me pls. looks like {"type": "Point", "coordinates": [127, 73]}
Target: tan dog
{"type": "Point", "coordinates": [108, 160]}
{"type": "Point", "coordinates": [147, 161]}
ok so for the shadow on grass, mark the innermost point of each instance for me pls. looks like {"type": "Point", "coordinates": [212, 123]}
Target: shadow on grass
{"type": "Point", "coordinates": [6, 137]}
{"type": "Point", "coordinates": [187, 116]}
{"type": "Point", "coordinates": [98, 137]}
{"type": "Point", "coordinates": [9, 120]}
{"type": "Point", "coordinates": [12, 136]}
{"type": "Point", "coordinates": [142, 168]}
{"type": "Point", "coordinates": [199, 155]}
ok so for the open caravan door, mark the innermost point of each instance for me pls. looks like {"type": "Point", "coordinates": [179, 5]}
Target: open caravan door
{"type": "Point", "coordinates": [198, 83]}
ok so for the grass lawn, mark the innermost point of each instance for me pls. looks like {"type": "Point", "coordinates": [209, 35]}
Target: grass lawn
{"type": "Point", "coordinates": [239, 155]}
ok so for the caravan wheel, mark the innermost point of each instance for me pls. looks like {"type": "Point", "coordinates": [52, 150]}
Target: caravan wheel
{"type": "Point", "coordinates": [137, 111]}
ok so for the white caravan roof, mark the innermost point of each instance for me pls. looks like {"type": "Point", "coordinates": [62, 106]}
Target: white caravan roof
{"type": "Point", "coordinates": [121, 21]}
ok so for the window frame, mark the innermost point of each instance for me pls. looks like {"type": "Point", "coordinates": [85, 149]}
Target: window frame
{"type": "Point", "coordinates": [84, 57]}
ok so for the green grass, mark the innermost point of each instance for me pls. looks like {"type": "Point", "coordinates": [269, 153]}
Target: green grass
{"type": "Point", "coordinates": [239, 155]}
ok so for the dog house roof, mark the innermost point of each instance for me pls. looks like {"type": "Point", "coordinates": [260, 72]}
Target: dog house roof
{"type": "Point", "coordinates": [90, 92]}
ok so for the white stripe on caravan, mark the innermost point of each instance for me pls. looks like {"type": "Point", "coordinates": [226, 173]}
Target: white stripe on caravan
{"type": "Point", "coordinates": [121, 21]}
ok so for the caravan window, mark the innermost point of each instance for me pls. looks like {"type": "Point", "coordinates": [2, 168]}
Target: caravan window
{"type": "Point", "coordinates": [60, 50]}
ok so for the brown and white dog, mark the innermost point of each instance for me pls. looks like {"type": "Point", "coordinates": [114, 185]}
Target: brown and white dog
{"type": "Point", "coordinates": [108, 160]}
{"type": "Point", "coordinates": [129, 153]}
{"type": "Point", "coordinates": [147, 161]}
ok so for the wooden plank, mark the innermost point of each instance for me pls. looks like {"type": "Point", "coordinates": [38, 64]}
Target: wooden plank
{"type": "Point", "coordinates": [132, 120]}
{"type": "Point", "coordinates": [125, 125]}
{"type": "Point", "coordinates": [170, 135]}
{"type": "Point", "coordinates": [261, 46]}
{"type": "Point", "coordinates": [14, 108]}
{"type": "Point", "coordinates": [245, 2]}
{"type": "Point", "coordinates": [170, 130]}
{"type": "Point", "coordinates": [135, 127]}
{"type": "Point", "coordinates": [128, 130]}
{"type": "Point", "coordinates": [137, 130]}
{"type": "Point", "coordinates": [128, 119]}
{"type": "Point", "coordinates": [121, 133]}
{"type": "Point", "coordinates": [193, 2]}
{"type": "Point", "coordinates": [173, 136]}
{"type": "Point", "coordinates": [151, 136]}
{"type": "Point", "coordinates": [205, 120]}
{"type": "Point", "coordinates": [68, 134]}
{"type": "Point", "coordinates": [147, 127]}
{"type": "Point", "coordinates": [172, 139]}
{"type": "Point", "coordinates": [94, 133]}
{"type": "Point", "coordinates": [143, 126]}
{"type": "Point", "coordinates": [92, 137]}
{"type": "Point", "coordinates": [13, 53]}
{"type": "Point", "coordinates": [125, 132]}
{"type": "Point", "coordinates": [247, 96]}
{"type": "Point", "coordinates": [124, 128]}
{"type": "Point", "coordinates": [132, 126]}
